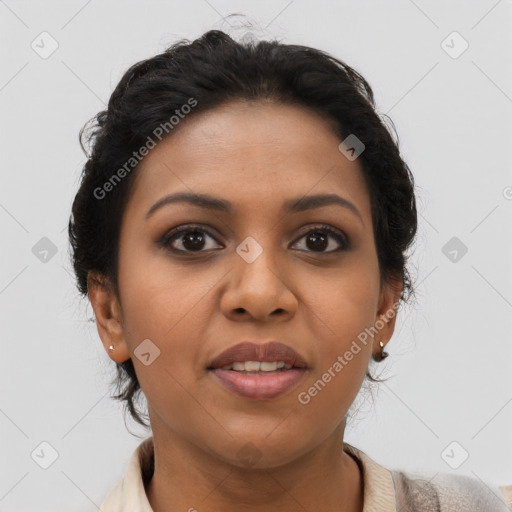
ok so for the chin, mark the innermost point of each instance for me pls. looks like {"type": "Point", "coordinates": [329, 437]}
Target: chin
{"type": "Point", "coordinates": [263, 451]}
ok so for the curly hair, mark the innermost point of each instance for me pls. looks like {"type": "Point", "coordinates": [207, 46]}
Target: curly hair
{"type": "Point", "coordinates": [215, 69]}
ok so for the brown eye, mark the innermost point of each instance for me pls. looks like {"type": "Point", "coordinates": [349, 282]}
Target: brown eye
{"type": "Point", "coordinates": [196, 239]}
{"type": "Point", "coordinates": [193, 240]}
{"type": "Point", "coordinates": [317, 241]}
{"type": "Point", "coordinates": [322, 238]}
{"type": "Point", "coordinates": [188, 239]}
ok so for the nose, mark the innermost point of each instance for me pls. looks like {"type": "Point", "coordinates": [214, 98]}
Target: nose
{"type": "Point", "coordinates": [259, 290]}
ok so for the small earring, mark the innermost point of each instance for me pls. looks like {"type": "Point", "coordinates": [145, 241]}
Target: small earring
{"type": "Point", "coordinates": [383, 354]}
{"type": "Point", "coordinates": [111, 348]}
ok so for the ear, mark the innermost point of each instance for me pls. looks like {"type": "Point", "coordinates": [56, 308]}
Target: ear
{"type": "Point", "coordinates": [387, 312]}
{"type": "Point", "coordinates": [109, 319]}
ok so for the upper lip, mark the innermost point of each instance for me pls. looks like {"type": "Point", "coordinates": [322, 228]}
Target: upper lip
{"type": "Point", "coordinates": [249, 351]}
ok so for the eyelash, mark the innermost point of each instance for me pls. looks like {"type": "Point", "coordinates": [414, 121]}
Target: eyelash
{"type": "Point", "coordinates": [174, 233]}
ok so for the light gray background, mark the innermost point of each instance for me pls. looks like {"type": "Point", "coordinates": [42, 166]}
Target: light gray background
{"type": "Point", "coordinates": [450, 356]}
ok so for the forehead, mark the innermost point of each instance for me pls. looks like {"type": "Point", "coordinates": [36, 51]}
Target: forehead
{"type": "Point", "coordinates": [250, 153]}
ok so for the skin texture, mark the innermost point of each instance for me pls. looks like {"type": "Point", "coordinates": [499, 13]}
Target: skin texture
{"type": "Point", "coordinates": [193, 307]}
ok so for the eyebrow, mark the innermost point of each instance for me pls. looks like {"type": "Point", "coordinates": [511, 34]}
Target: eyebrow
{"type": "Point", "coordinates": [294, 205]}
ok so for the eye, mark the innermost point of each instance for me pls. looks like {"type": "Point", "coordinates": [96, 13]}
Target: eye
{"type": "Point", "coordinates": [187, 239]}
{"type": "Point", "coordinates": [194, 239]}
{"type": "Point", "coordinates": [320, 237]}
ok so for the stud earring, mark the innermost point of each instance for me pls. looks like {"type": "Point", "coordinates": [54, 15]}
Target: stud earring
{"type": "Point", "coordinates": [111, 348]}
{"type": "Point", "coordinates": [383, 354]}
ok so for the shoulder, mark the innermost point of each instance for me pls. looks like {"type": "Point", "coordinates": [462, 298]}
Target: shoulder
{"type": "Point", "coordinates": [507, 492]}
{"type": "Point", "coordinates": [447, 493]}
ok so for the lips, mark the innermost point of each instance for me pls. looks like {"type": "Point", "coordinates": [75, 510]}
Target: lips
{"type": "Point", "coordinates": [252, 381]}
{"type": "Point", "coordinates": [272, 351]}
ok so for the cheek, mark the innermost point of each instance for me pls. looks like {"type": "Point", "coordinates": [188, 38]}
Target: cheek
{"type": "Point", "coordinates": [345, 303]}
{"type": "Point", "coordinates": [343, 347]}
{"type": "Point", "coordinates": [166, 306]}
{"type": "Point", "coordinates": [332, 389]}
{"type": "Point", "coordinates": [154, 294]}
{"type": "Point", "coordinates": [342, 311]}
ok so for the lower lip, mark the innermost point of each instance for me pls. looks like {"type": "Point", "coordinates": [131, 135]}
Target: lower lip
{"type": "Point", "coordinates": [259, 387]}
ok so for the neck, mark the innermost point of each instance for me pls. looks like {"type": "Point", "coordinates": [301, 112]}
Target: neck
{"type": "Point", "coordinates": [188, 478]}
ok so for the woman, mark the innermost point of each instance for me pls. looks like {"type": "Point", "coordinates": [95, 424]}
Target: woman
{"type": "Point", "coordinates": [241, 231]}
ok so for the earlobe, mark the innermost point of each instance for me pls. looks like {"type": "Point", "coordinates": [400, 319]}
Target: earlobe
{"type": "Point", "coordinates": [109, 320]}
{"type": "Point", "coordinates": [386, 315]}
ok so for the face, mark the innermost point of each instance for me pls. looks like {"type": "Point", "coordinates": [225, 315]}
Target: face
{"type": "Point", "coordinates": [256, 269]}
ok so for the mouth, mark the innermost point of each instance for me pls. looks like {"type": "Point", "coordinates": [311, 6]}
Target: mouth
{"type": "Point", "coordinates": [258, 372]}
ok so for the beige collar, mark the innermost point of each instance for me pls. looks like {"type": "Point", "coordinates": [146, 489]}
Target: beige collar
{"type": "Point", "coordinates": [379, 492]}
{"type": "Point", "coordinates": [129, 495]}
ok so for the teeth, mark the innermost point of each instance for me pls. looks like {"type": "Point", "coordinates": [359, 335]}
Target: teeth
{"type": "Point", "coordinates": [257, 366]}
{"type": "Point", "coordinates": [252, 366]}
